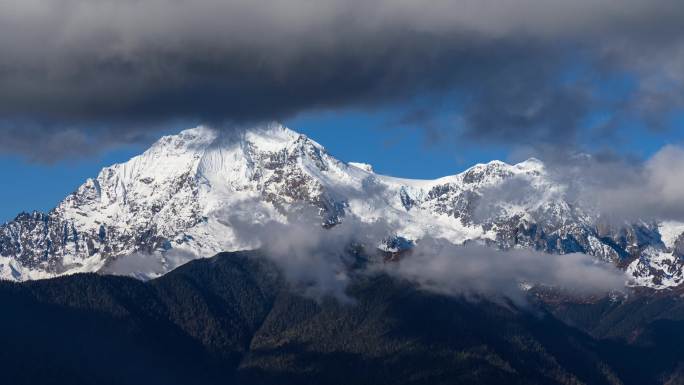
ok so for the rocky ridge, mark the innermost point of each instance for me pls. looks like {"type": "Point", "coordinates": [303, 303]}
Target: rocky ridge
{"type": "Point", "coordinates": [183, 198]}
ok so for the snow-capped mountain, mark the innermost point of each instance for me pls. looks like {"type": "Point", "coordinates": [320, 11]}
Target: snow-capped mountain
{"type": "Point", "coordinates": [177, 201]}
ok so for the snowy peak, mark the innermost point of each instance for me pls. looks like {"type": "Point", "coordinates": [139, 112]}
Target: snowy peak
{"type": "Point", "coordinates": [275, 137]}
{"type": "Point", "coordinates": [185, 196]}
{"type": "Point", "coordinates": [191, 141]}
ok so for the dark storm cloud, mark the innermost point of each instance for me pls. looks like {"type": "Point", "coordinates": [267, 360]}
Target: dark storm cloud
{"type": "Point", "coordinates": [527, 112]}
{"type": "Point", "coordinates": [128, 66]}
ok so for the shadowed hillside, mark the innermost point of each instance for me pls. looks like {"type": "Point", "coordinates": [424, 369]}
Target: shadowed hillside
{"type": "Point", "coordinates": [233, 319]}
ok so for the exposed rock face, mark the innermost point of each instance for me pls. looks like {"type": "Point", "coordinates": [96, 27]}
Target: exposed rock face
{"type": "Point", "coordinates": [183, 195]}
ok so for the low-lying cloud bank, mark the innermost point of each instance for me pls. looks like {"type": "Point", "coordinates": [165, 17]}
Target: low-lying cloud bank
{"type": "Point", "coordinates": [321, 262]}
{"type": "Point", "coordinates": [478, 271]}
{"type": "Point", "coordinates": [149, 265]}
{"type": "Point", "coordinates": [315, 259]}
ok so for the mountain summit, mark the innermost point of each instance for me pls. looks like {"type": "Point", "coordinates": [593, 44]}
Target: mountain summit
{"type": "Point", "coordinates": [179, 199]}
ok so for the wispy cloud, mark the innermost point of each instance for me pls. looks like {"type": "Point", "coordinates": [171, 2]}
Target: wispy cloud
{"type": "Point", "coordinates": [321, 262]}
{"type": "Point", "coordinates": [476, 271]}
{"type": "Point", "coordinates": [626, 191]}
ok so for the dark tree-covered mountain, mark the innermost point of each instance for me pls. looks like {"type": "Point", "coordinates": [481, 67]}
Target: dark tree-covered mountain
{"type": "Point", "coordinates": [233, 319]}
